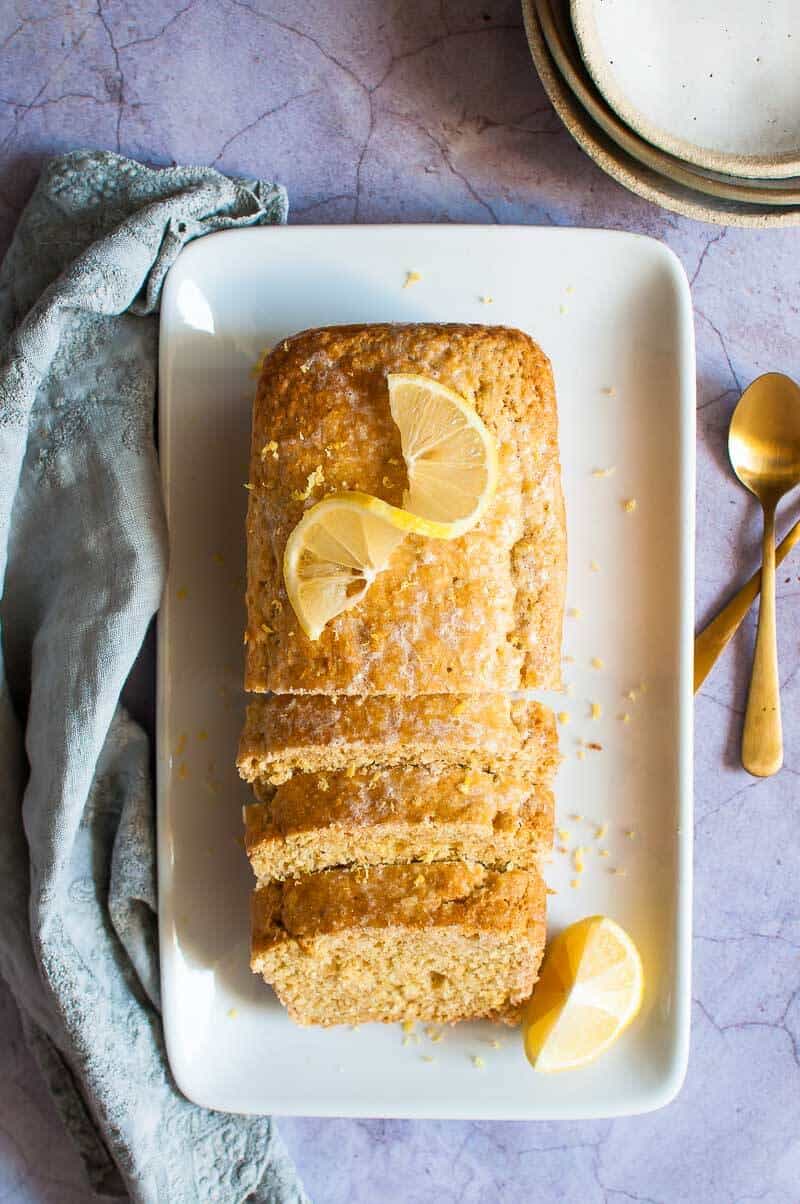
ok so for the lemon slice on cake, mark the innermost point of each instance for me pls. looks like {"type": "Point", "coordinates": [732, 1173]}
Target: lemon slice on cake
{"type": "Point", "coordinates": [335, 553]}
{"type": "Point", "coordinates": [340, 545]}
{"type": "Point", "coordinates": [450, 456]}
{"type": "Point", "coordinates": [589, 990]}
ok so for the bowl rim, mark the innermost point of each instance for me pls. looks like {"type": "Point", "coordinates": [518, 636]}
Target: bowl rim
{"type": "Point", "coordinates": [587, 36]}
{"type": "Point", "coordinates": [571, 67]}
{"type": "Point", "coordinates": [637, 179]}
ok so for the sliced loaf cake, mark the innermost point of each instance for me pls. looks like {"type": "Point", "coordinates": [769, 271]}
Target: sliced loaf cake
{"type": "Point", "coordinates": [314, 733]}
{"type": "Point", "coordinates": [441, 942]}
{"type": "Point", "coordinates": [376, 817]}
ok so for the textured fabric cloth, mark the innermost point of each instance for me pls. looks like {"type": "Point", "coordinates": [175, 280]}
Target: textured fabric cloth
{"type": "Point", "coordinates": [83, 545]}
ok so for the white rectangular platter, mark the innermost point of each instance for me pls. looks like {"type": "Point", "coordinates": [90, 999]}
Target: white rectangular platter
{"type": "Point", "coordinates": [613, 312]}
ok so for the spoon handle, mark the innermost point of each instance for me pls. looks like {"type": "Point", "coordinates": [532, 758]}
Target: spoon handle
{"type": "Point", "coordinates": [762, 740]}
{"type": "Point", "coordinates": [714, 638]}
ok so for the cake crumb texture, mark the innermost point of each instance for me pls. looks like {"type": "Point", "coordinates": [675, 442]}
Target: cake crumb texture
{"type": "Point", "coordinates": [441, 942]}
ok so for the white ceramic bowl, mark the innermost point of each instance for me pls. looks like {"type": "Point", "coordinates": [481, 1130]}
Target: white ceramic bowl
{"type": "Point", "coordinates": [716, 84]}
{"type": "Point", "coordinates": [622, 167]}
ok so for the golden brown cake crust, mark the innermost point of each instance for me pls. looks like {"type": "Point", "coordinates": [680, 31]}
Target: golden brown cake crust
{"type": "Point", "coordinates": [284, 734]}
{"type": "Point", "coordinates": [444, 894]}
{"type": "Point", "coordinates": [316, 821]}
{"type": "Point", "coordinates": [479, 613]}
{"type": "Point", "coordinates": [312, 801]}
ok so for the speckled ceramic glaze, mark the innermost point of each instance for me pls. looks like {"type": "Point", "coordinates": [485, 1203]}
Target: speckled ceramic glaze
{"type": "Point", "coordinates": [560, 38]}
{"type": "Point", "coordinates": [716, 84]}
{"type": "Point", "coordinates": [623, 167]}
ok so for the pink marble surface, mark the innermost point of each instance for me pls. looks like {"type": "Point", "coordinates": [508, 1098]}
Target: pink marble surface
{"type": "Point", "coordinates": [408, 111]}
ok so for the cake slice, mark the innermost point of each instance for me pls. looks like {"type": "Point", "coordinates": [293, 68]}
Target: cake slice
{"type": "Point", "coordinates": [314, 733]}
{"type": "Point", "coordinates": [316, 821]}
{"type": "Point", "coordinates": [441, 942]}
{"type": "Point", "coordinates": [478, 613]}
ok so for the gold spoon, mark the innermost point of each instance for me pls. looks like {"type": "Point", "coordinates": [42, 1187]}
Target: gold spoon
{"type": "Point", "coordinates": [764, 449]}
{"type": "Point", "coordinates": [716, 635]}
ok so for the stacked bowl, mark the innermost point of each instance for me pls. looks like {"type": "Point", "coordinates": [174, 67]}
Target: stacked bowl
{"type": "Point", "coordinates": [694, 104]}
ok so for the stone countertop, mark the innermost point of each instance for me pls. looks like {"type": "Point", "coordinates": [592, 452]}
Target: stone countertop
{"type": "Point", "coordinates": [404, 112]}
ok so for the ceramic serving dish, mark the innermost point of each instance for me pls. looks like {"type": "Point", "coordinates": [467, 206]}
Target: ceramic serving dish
{"type": "Point", "coordinates": [557, 29]}
{"type": "Point", "coordinates": [613, 312]}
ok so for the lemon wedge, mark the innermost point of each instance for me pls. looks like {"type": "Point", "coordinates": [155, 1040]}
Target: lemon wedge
{"type": "Point", "coordinates": [589, 991]}
{"type": "Point", "coordinates": [450, 456]}
{"type": "Point", "coordinates": [335, 553]}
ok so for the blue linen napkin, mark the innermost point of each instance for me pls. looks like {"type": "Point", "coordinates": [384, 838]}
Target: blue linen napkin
{"type": "Point", "coordinates": [83, 546]}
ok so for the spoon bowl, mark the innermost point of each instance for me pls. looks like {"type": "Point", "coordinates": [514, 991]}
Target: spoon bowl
{"type": "Point", "coordinates": [764, 450]}
{"type": "Point", "coordinates": [764, 437]}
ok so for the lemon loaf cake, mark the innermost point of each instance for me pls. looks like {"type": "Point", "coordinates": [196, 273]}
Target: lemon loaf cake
{"type": "Point", "coordinates": [316, 821]}
{"type": "Point", "coordinates": [286, 734]}
{"type": "Point", "coordinates": [440, 942]}
{"type": "Point", "coordinates": [482, 612]}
